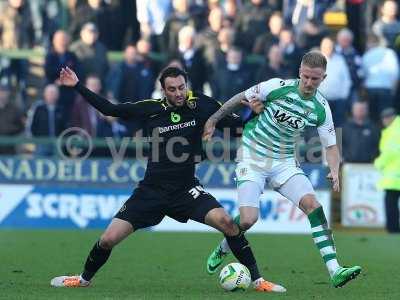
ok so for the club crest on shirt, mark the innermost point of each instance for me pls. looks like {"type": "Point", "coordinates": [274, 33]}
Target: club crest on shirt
{"type": "Point", "coordinates": [191, 104]}
{"type": "Point", "coordinates": [191, 100]}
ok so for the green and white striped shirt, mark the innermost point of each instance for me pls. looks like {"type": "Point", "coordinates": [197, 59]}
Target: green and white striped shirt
{"type": "Point", "coordinates": [274, 132]}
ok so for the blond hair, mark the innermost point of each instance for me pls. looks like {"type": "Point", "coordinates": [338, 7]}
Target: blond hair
{"type": "Point", "coordinates": [314, 59]}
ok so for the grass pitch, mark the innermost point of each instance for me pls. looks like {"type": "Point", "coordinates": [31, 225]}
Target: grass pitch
{"type": "Point", "coordinates": [152, 265]}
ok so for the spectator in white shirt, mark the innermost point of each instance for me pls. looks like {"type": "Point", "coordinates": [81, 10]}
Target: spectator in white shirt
{"type": "Point", "coordinates": [337, 85]}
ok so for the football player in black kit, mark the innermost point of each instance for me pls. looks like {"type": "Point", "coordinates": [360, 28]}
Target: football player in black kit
{"type": "Point", "coordinates": [169, 187]}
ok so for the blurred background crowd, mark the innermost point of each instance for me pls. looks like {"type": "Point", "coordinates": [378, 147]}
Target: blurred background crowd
{"type": "Point", "coordinates": [118, 47]}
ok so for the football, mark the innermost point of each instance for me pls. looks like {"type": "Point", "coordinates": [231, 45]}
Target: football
{"type": "Point", "coordinates": [234, 277]}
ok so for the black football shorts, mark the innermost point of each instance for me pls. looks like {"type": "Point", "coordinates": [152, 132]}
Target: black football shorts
{"type": "Point", "coordinates": [150, 203]}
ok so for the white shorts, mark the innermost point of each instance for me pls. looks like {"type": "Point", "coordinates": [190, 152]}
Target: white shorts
{"type": "Point", "coordinates": [284, 176]}
{"type": "Point", "coordinates": [275, 176]}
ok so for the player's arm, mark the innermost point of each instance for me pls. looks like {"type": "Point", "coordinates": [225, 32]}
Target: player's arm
{"type": "Point", "coordinates": [125, 110]}
{"type": "Point", "coordinates": [235, 122]}
{"type": "Point", "coordinates": [258, 92]}
{"type": "Point", "coordinates": [231, 121]}
{"type": "Point", "coordinates": [333, 159]}
{"type": "Point", "coordinates": [226, 109]}
{"type": "Point", "coordinates": [209, 106]}
{"type": "Point", "coordinates": [327, 135]}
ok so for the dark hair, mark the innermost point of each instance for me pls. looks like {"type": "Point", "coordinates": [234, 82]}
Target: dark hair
{"type": "Point", "coordinates": [171, 72]}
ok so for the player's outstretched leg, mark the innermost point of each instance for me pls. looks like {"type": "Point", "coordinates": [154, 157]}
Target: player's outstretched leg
{"type": "Point", "coordinates": [98, 256]}
{"type": "Point", "coordinates": [218, 255]}
{"type": "Point", "coordinates": [240, 247]}
{"type": "Point", "coordinates": [248, 194]}
{"type": "Point", "coordinates": [323, 239]}
{"type": "Point", "coordinates": [300, 191]}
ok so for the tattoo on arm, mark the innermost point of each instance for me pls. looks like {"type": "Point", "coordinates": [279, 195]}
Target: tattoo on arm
{"type": "Point", "coordinates": [333, 157]}
{"type": "Point", "coordinates": [228, 107]}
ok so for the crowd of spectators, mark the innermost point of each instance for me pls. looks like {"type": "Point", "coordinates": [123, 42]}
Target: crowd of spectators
{"type": "Point", "coordinates": [225, 46]}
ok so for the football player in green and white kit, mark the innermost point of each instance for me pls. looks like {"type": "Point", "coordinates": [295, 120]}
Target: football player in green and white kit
{"type": "Point", "coordinates": [267, 154]}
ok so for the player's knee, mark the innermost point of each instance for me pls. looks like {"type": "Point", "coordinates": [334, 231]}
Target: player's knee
{"type": "Point", "coordinates": [228, 227]}
{"type": "Point", "coordinates": [108, 240]}
{"type": "Point", "coordinates": [246, 222]}
{"type": "Point", "coordinates": [309, 203]}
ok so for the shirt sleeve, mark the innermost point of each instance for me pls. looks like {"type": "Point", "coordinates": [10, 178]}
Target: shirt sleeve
{"type": "Point", "coordinates": [326, 130]}
{"type": "Point", "coordinates": [263, 89]}
{"type": "Point", "coordinates": [139, 109]}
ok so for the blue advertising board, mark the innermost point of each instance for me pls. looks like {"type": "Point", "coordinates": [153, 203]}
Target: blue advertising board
{"type": "Point", "coordinates": [124, 174]}
{"type": "Point", "coordinates": [35, 206]}
{"type": "Point", "coordinates": [30, 206]}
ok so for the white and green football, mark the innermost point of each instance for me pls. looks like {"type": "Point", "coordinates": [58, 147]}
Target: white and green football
{"type": "Point", "coordinates": [234, 277]}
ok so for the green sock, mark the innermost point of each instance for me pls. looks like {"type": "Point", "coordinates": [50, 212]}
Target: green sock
{"type": "Point", "coordinates": [323, 239]}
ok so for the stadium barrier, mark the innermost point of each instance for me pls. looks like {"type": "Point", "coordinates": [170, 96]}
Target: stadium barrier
{"type": "Point", "coordinates": [55, 193]}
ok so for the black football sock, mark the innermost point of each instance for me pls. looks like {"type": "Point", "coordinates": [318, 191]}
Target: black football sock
{"type": "Point", "coordinates": [96, 259]}
{"type": "Point", "coordinates": [241, 249]}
